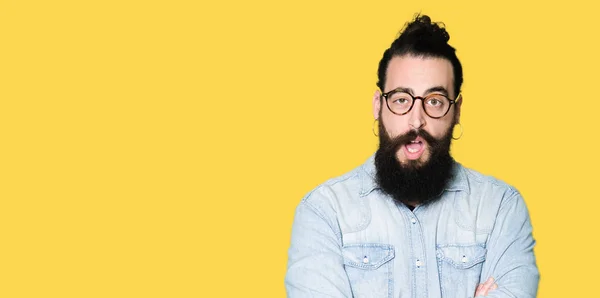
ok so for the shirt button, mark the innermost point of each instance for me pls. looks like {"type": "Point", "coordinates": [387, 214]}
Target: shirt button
{"type": "Point", "coordinates": [464, 259]}
{"type": "Point", "coordinates": [413, 220]}
{"type": "Point", "coordinates": [365, 260]}
{"type": "Point", "coordinates": [419, 263]}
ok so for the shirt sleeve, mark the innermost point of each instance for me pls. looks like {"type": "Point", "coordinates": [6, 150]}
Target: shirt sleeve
{"type": "Point", "coordinates": [510, 258]}
{"type": "Point", "coordinates": [315, 263]}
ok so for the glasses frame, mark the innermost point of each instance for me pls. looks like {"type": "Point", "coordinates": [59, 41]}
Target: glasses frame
{"type": "Point", "coordinates": [414, 99]}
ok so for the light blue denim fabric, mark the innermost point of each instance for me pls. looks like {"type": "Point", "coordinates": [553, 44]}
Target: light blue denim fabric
{"type": "Point", "coordinates": [351, 240]}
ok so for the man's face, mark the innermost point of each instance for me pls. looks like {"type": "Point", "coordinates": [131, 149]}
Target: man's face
{"type": "Point", "coordinates": [413, 160]}
{"type": "Point", "coordinates": [419, 76]}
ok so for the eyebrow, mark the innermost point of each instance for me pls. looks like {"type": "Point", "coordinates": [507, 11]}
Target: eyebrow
{"type": "Point", "coordinates": [440, 89]}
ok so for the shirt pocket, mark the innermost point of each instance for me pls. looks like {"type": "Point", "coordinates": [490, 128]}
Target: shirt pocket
{"type": "Point", "coordinates": [369, 269]}
{"type": "Point", "coordinates": [460, 269]}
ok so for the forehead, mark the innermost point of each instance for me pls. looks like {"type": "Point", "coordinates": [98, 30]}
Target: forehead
{"type": "Point", "coordinates": [419, 74]}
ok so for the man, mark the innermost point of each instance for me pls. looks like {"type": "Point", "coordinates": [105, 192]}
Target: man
{"type": "Point", "coordinates": [411, 221]}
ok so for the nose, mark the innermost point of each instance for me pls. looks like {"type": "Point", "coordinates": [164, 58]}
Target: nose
{"type": "Point", "coordinates": [416, 116]}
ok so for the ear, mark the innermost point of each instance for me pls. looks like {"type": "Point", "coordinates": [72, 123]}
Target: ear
{"type": "Point", "coordinates": [458, 108]}
{"type": "Point", "coordinates": [376, 104]}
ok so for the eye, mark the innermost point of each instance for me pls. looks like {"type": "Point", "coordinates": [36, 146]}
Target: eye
{"type": "Point", "coordinates": [400, 98]}
{"type": "Point", "coordinates": [436, 100]}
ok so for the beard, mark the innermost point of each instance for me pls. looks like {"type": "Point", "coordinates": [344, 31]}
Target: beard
{"type": "Point", "coordinates": [413, 182]}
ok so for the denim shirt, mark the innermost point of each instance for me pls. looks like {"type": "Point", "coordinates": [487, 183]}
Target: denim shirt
{"type": "Point", "coordinates": [349, 239]}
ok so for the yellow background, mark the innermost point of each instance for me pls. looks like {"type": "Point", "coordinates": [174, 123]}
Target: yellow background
{"type": "Point", "coordinates": [159, 148]}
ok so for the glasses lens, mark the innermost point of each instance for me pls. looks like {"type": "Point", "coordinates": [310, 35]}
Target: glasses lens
{"type": "Point", "coordinates": [399, 102]}
{"type": "Point", "coordinates": [436, 105]}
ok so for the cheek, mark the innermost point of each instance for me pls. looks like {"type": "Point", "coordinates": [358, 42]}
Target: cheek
{"type": "Point", "coordinates": [395, 125]}
{"type": "Point", "coordinates": [439, 129]}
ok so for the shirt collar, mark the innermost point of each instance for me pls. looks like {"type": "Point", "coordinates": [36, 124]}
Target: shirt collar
{"type": "Point", "coordinates": [368, 183]}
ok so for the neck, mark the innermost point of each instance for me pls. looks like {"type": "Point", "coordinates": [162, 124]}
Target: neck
{"type": "Point", "coordinates": [411, 205]}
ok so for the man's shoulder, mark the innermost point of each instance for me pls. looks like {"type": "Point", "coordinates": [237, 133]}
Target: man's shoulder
{"type": "Point", "coordinates": [344, 189]}
{"type": "Point", "coordinates": [486, 195]}
{"type": "Point", "coordinates": [479, 181]}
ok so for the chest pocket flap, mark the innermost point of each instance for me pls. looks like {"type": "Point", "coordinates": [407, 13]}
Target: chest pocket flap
{"type": "Point", "coordinates": [368, 256]}
{"type": "Point", "coordinates": [462, 257]}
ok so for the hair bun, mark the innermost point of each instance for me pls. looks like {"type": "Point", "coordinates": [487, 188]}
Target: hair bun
{"type": "Point", "coordinates": [422, 28]}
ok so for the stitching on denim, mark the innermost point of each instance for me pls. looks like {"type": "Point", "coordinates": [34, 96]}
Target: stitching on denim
{"type": "Point", "coordinates": [336, 229]}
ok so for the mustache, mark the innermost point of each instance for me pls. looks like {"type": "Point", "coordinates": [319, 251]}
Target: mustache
{"type": "Point", "coordinates": [395, 143]}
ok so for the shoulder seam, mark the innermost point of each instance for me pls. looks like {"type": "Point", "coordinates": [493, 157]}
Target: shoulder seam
{"type": "Point", "coordinates": [320, 214]}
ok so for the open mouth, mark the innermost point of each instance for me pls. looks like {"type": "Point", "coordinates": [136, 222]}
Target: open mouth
{"type": "Point", "coordinates": [414, 149]}
{"type": "Point", "coordinates": [414, 146]}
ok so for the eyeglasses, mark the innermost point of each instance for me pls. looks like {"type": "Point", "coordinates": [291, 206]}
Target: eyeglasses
{"type": "Point", "coordinates": [435, 105]}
